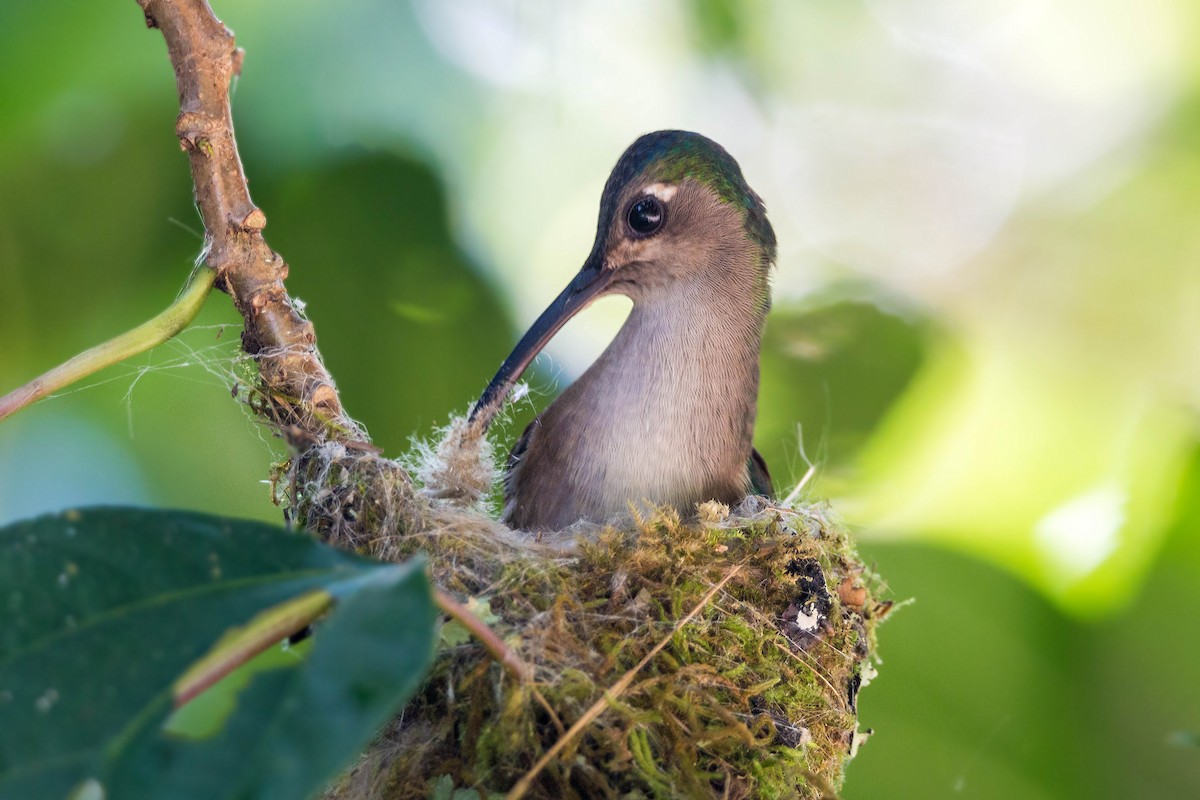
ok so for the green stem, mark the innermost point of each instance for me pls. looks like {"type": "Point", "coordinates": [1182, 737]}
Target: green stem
{"type": "Point", "coordinates": [154, 332]}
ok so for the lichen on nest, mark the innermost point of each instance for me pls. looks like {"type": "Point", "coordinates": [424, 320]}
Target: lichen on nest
{"type": "Point", "coordinates": [754, 697]}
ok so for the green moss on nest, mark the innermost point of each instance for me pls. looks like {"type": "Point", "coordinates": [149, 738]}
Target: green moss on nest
{"type": "Point", "coordinates": [753, 698]}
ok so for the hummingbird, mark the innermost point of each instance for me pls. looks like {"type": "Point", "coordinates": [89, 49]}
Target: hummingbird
{"type": "Point", "coordinates": [666, 414]}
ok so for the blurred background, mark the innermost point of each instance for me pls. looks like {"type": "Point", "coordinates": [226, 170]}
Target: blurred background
{"type": "Point", "coordinates": [984, 346]}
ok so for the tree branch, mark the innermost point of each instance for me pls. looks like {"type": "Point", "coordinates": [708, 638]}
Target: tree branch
{"type": "Point", "coordinates": [299, 395]}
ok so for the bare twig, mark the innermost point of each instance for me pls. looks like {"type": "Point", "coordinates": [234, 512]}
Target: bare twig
{"type": "Point", "coordinates": [301, 399]}
{"type": "Point", "coordinates": [145, 336]}
{"type": "Point", "coordinates": [500, 651]}
{"type": "Point", "coordinates": [486, 636]}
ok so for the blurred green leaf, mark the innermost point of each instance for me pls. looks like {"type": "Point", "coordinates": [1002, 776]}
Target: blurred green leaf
{"type": "Point", "coordinates": [1049, 429]}
{"type": "Point", "coordinates": [829, 375]}
{"type": "Point", "coordinates": [980, 678]}
{"type": "Point", "coordinates": [1068, 477]}
{"type": "Point", "coordinates": [717, 24]}
{"type": "Point", "coordinates": [1005, 694]}
{"type": "Point", "coordinates": [407, 326]}
{"type": "Point", "coordinates": [107, 607]}
{"type": "Point", "coordinates": [1189, 739]}
{"type": "Point", "coordinates": [93, 60]}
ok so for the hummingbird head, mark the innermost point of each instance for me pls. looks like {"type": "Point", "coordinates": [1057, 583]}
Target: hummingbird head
{"type": "Point", "coordinates": [677, 222]}
{"type": "Point", "coordinates": [675, 212]}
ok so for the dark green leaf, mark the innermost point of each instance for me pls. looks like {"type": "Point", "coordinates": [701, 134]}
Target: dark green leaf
{"type": "Point", "coordinates": [105, 608]}
{"type": "Point", "coordinates": [294, 729]}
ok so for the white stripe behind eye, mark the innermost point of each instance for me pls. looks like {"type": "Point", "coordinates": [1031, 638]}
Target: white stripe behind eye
{"type": "Point", "coordinates": [663, 191]}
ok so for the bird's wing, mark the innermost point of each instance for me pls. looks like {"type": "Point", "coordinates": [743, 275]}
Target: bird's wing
{"type": "Point", "coordinates": [514, 459]}
{"type": "Point", "coordinates": [760, 478]}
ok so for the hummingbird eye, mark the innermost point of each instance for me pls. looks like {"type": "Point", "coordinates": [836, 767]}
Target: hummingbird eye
{"type": "Point", "coordinates": [646, 216]}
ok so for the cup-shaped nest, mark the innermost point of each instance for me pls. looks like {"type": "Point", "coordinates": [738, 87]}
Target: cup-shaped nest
{"type": "Point", "coordinates": [719, 658]}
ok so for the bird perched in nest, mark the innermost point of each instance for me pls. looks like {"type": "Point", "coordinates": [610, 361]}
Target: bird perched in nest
{"type": "Point", "coordinates": [666, 413]}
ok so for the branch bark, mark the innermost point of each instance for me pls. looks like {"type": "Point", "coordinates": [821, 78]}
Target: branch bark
{"type": "Point", "coordinates": [298, 394]}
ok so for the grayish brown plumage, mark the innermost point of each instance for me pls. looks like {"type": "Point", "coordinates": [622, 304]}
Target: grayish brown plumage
{"type": "Point", "coordinates": [666, 414]}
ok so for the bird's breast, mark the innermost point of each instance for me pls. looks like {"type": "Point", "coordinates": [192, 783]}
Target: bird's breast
{"type": "Point", "coordinates": [660, 418]}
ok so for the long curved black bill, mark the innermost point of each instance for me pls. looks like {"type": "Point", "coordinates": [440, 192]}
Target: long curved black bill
{"type": "Point", "coordinates": [585, 287]}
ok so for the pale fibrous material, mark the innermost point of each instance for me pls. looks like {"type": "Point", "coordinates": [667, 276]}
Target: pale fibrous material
{"type": "Point", "coordinates": [460, 468]}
